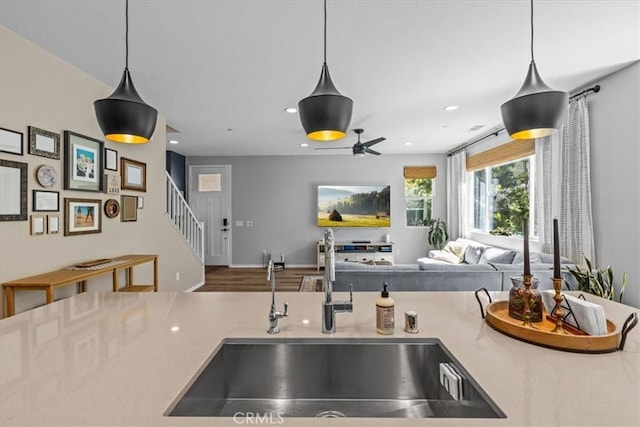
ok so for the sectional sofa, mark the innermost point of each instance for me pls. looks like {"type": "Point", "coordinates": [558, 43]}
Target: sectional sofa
{"type": "Point", "coordinates": [481, 266]}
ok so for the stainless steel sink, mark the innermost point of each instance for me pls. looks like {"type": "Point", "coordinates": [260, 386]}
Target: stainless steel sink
{"type": "Point", "coordinates": [330, 377]}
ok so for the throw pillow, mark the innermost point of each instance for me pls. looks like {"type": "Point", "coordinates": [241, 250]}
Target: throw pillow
{"type": "Point", "coordinates": [496, 256]}
{"type": "Point", "coordinates": [453, 252]}
{"type": "Point", "coordinates": [534, 258]}
{"type": "Point", "coordinates": [472, 254]}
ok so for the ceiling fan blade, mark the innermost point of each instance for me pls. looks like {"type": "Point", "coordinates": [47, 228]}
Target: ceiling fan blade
{"type": "Point", "coordinates": [373, 141]}
{"type": "Point", "coordinates": [370, 151]}
{"type": "Point", "coordinates": [333, 148]}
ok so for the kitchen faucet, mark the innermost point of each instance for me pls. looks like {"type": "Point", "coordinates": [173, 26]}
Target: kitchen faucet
{"type": "Point", "coordinates": [274, 315]}
{"type": "Point", "coordinates": [330, 307]}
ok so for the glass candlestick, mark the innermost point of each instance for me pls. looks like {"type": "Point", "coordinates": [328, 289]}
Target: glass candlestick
{"type": "Point", "coordinates": [526, 282]}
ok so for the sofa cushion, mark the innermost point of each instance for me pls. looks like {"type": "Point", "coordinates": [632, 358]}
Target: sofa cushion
{"type": "Point", "coordinates": [443, 266]}
{"type": "Point", "coordinates": [496, 255]}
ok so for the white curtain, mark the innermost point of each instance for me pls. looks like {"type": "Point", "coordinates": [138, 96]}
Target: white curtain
{"type": "Point", "coordinates": [575, 220]}
{"type": "Point", "coordinates": [456, 194]}
{"type": "Point", "coordinates": [543, 193]}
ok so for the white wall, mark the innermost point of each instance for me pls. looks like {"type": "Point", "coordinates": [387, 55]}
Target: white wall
{"type": "Point", "coordinates": [614, 115]}
{"type": "Point", "coordinates": [41, 90]}
{"type": "Point", "coordinates": [279, 194]}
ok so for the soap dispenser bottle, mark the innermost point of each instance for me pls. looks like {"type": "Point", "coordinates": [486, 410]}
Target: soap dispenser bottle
{"type": "Point", "coordinates": [385, 317]}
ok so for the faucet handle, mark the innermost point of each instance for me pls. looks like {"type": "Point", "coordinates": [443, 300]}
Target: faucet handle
{"type": "Point", "coordinates": [286, 309]}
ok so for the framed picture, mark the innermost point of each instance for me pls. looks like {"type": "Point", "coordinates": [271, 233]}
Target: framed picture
{"type": "Point", "coordinates": [44, 143]}
{"type": "Point", "coordinates": [37, 225]}
{"type": "Point", "coordinates": [11, 141]}
{"type": "Point", "coordinates": [82, 216]}
{"type": "Point", "coordinates": [13, 190]}
{"type": "Point", "coordinates": [110, 159]}
{"type": "Point", "coordinates": [53, 226]}
{"type": "Point", "coordinates": [46, 201]}
{"type": "Point", "coordinates": [111, 183]}
{"type": "Point", "coordinates": [129, 208]}
{"type": "Point", "coordinates": [133, 174]}
{"type": "Point", "coordinates": [111, 208]}
{"type": "Point", "coordinates": [83, 166]}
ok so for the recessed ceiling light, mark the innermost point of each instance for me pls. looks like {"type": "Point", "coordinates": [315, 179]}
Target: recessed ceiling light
{"type": "Point", "coordinates": [291, 110]}
{"type": "Point", "coordinates": [451, 107]}
{"type": "Point", "coordinates": [304, 144]}
{"type": "Point", "coordinates": [173, 141]}
{"type": "Point", "coordinates": [408, 143]}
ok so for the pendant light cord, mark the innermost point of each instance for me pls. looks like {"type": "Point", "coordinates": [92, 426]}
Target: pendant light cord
{"type": "Point", "coordinates": [126, 35]}
{"type": "Point", "coordinates": [531, 31]}
{"type": "Point", "coordinates": [325, 31]}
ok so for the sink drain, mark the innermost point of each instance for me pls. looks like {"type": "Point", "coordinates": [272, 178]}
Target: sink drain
{"type": "Point", "coordinates": [330, 414]}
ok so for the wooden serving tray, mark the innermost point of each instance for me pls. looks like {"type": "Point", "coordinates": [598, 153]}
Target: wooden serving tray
{"type": "Point", "coordinates": [94, 263]}
{"type": "Point", "coordinates": [498, 318]}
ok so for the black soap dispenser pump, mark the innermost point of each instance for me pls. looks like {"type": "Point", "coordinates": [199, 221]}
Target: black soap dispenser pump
{"type": "Point", "coordinates": [385, 317]}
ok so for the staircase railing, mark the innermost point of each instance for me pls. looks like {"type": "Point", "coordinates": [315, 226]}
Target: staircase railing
{"type": "Point", "coordinates": [184, 219]}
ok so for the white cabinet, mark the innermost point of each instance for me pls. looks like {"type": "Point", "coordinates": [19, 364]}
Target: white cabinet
{"type": "Point", "coordinates": [357, 252]}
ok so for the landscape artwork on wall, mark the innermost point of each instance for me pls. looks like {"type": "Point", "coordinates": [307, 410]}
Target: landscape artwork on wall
{"type": "Point", "coordinates": [354, 206]}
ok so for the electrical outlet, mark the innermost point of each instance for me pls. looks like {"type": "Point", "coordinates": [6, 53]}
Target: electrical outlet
{"type": "Point", "coordinates": [238, 223]}
{"type": "Point", "coordinates": [178, 276]}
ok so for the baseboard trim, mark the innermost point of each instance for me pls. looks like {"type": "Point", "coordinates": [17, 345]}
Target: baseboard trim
{"type": "Point", "coordinates": [194, 287]}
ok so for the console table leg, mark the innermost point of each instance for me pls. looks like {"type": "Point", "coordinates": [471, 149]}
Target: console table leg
{"type": "Point", "coordinates": [155, 274]}
{"type": "Point", "coordinates": [49, 291]}
{"type": "Point", "coordinates": [11, 302]}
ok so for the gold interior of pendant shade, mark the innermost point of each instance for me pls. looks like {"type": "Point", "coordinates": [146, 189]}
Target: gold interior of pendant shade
{"type": "Point", "coordinates": [326, 135]}
{"type": "Point", "coordinates": [513, 150]}
{"type": "Point", "coordinates": [126, 139]}
{"type": "Point", "coordinates": [533, 133]}
{"type": "Point", "coordinates": [420, 172]}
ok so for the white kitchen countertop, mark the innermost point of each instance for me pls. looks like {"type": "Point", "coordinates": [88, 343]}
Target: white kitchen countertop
{"type": "Point", "coordinates": [115, 359]}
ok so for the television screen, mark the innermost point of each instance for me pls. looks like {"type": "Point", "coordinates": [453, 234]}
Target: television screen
{"type": "Point", "coordinates": [354, 206]}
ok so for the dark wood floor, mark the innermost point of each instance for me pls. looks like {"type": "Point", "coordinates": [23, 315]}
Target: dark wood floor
{"type": "Point", "coordinates": [225, 279]}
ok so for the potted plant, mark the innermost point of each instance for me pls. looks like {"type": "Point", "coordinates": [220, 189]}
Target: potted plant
{"type": "Point", "coordinates": [601, 283]}
{"type": "Point", "coordinates": [437, 234]}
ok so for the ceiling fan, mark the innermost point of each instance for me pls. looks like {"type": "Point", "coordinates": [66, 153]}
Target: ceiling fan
{"type": "Point", "coordinates": [359, 148]}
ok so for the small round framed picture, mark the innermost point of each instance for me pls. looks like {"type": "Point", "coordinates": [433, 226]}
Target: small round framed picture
{"type": "Point", "coordinates": [111, 208]}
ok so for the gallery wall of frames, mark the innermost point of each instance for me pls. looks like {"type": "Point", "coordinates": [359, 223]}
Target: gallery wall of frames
{"type": "Point", "coordinates": [71, 163]}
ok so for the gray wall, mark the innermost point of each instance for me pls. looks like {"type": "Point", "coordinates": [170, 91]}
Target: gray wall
{"type": "Point", "coordinates": [614, 115]}
{"type": "Point", "coordinates": [279, 194]}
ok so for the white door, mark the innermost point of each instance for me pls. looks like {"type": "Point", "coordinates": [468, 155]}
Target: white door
{"type": "Point", "coordinates": [210, 200]}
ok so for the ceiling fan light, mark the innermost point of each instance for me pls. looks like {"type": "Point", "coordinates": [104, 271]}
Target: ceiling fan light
{"type": "Point", "coordinates": [326, 113]}
{"type": "Point", "coordinates": [123, 116]}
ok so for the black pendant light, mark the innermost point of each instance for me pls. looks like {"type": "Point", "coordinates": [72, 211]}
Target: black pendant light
{"type": "Point", "coordinates": [536, 110]}
{"type": "Point", "coordinates": [124, 116]}
{"type": "Point", "coordinates": [326, 113]}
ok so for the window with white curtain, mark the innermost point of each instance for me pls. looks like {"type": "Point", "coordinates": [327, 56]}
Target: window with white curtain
{"type": "Point", "coordinates": [503, 197]}
{"type": "Point", "coordinates": [501, 188]}
{"type": "Point", "coordinates": [418, 194]}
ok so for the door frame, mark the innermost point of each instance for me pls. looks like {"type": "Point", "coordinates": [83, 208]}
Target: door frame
{"type": "Point", "coordinates": [227, 200]}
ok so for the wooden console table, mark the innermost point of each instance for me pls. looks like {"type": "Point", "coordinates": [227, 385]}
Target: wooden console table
{"type": "Point", "coordinates": [56, 279]}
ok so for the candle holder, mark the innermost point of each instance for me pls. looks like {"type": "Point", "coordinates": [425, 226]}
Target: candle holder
{"type": "Point", "coordinates": [557, 310]}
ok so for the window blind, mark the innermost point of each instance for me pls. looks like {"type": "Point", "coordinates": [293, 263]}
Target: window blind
{"type": "Point", "coordinates": [419, 172]}
{"type": "Point", "coordinates": [513, 150]}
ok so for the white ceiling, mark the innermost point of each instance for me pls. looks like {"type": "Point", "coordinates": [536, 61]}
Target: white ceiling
{"type": "Point", "coordinates": [223, 71]}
